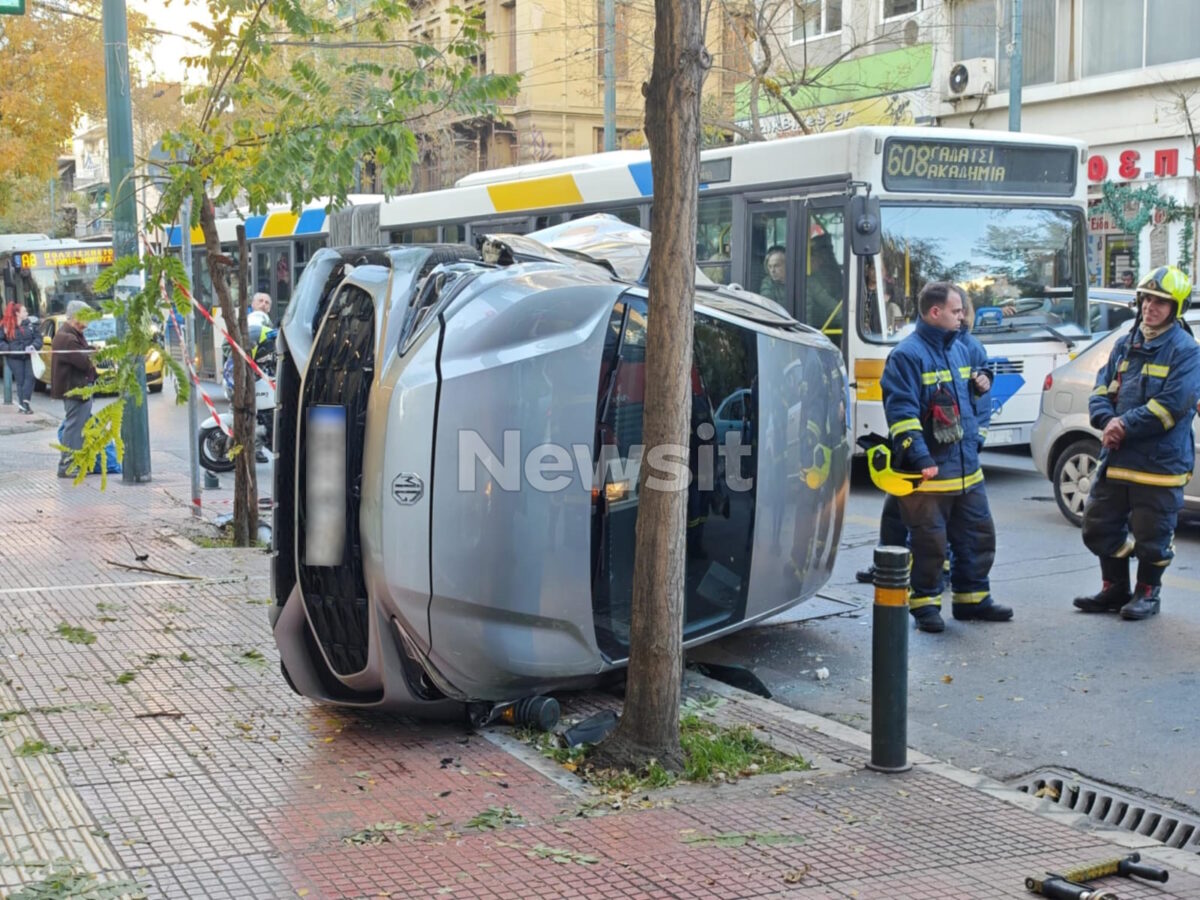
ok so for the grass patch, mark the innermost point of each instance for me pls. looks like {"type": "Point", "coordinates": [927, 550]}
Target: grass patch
{"type": "Point", "coordinates": [74, 634]}
{"type": "Point", "coordinates": [222, 541]}
{"type": "Point", "coordinates": [35, 748]}
{"type": "Point", "coordinates": [126, 677]}
{"type": "Point", "coordinates": [712, 753]}
{"type": "Point", "coordinates": [186, 657]}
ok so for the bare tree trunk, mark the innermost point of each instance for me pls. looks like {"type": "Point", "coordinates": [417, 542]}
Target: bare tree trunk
{"type": "Point", "coordinates": [245, 424]}
{"type": "Point", "coordinates": [245, 503]}
{"type": "Point", "coordinates": [649, 727]}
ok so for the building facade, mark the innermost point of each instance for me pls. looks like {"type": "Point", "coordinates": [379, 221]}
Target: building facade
{"type": "Point", "coordinates": [557, 46]}
{"type": "Point", "coordinates": [1123, 75]}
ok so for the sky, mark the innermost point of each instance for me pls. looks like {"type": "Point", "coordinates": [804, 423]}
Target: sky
{"type": "Point", "coordinates": [174, 16]}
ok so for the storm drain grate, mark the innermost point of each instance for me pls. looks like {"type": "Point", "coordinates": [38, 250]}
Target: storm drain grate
{"type": "Point", "coordinates": [1101, 803]}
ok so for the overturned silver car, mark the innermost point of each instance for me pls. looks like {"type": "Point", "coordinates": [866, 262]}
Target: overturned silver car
{"type": "Point", "coordinates": [458, 442]}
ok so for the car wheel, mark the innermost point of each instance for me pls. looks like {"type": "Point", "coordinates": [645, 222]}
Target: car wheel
{"type": "Point", "coordinates": [1074, 474]}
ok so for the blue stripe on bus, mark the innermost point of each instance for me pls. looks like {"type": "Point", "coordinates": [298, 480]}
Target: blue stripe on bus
{"type": "Point", "coordinates": [254, 226]}
{"type": "Point", "coordinates": [174, 238]}
{"type": "Point", "coordinates": [311, 222]}
{"type": "Point", "coordinates": [644, 180]}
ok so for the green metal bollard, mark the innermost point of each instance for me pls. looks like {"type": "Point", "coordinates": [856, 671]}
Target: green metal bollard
{"type": "Point", "coordinates": [7, 384]}
{"type": "Point", "coordinates": [889, 662]}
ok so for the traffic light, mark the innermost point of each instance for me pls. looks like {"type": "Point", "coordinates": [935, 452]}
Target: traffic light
{"type": "Point", "coordinates": [12, 7]}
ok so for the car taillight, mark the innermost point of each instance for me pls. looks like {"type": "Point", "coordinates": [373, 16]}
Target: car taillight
{"type": "Point", "coordinates": [1048, 383]}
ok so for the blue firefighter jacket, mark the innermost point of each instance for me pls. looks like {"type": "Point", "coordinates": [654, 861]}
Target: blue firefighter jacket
{"type": "Point", "coordinates": [1153, 386]}
{"type": "Point", "coordinates": [923, 361]}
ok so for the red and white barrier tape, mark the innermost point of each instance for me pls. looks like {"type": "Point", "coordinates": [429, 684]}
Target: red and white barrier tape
{"type": "Point", "coordinates": [191, 369]}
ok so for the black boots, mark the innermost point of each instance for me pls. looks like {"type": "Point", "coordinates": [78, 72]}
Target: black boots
{"type": "Point", "coordinates": [865, 576]}
{"type": "Point", "coordinates": [1112, 597]}
{"type": "Point", "coordinates": [987, 610]}
{"type": "Point", "coordinates": [1115, 596]}
{"type": "Point", "coordinates": [928, 619]}
{"type": "Point", "coordinates": [1144, 604]}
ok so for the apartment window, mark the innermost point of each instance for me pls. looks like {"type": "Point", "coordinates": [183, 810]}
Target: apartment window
{"type": "Point", "coordinates": [895, 8]}
{"type": "Point", "coordinates": [984, 28]}
{"type": "Point", "coordinates": [813, 18]}
{"type": "Point", "coordinates": [1130, 34]}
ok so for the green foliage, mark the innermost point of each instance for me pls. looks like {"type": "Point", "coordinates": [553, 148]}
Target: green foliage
{"type": "Point", "coordinates": [711, 753]}
{"type": "Point", "coordinates": [67, 878]}
{"type": "Point", "coordinates": [494, 818]}
{"type": "Point", "coordinates": [287, 114]}
{"type": "Point", "coordinates": [74, 634]}
{"type": "Point", "coordinates": [137, 310]}
{"type": "Point", "coordinates": [1132, 209]}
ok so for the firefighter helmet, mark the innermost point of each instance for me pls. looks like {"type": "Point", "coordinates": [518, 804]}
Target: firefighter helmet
{"type": "Point", "coordinates": [887, 479]}
{"type": "Point", "coordinates": [1170, 283]}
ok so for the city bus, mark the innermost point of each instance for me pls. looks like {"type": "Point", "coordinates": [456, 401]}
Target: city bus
{"type": "Point", "coordinates": [281, 243]}
{"type": "Point", "coordinates": [45, 274]}
{"type": "Point", "coordinates": [1001, 214]}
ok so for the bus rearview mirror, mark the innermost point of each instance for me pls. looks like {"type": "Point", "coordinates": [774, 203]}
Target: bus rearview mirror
{"type": "Point", "coordinates": [865, 234]}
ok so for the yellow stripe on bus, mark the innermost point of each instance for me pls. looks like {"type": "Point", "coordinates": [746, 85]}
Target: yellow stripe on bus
{"type": "Point", "coordinates": [280, 224]}
{"type": "Point", "coordinates": [534, 193]}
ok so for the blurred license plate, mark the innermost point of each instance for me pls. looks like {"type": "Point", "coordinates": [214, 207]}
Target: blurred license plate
{"type": "Point", "coordinates": [325, 497]}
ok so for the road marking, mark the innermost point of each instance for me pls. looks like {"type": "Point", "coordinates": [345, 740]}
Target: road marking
{"type": "Point", "coordinates": [129, 584]}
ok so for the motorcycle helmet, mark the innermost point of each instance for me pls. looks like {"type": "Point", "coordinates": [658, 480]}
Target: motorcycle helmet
{"type": "Point", "coordinates": [1170, 283]}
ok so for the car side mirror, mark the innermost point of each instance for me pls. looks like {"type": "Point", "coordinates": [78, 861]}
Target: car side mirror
{"type": "Point", "coordinates": [866, 238]}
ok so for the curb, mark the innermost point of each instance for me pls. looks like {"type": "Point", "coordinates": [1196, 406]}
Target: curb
{"type": "Point", "coordinates": [1178, 859]}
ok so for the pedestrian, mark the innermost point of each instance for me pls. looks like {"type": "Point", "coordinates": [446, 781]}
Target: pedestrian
{"type": "Point", "coordinates": [892, 532]}
{"type": "Point", "coordinates": [935, 428]}
{"type": "Point", "coordinates": [1144, 402]}
{"type": "Point", "coordinates": [71, 367]}
{"type": "Point", "coordinates": [19, 337]}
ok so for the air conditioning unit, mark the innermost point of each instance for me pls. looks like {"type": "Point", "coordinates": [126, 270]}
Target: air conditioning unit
{"type": "Point", "coordinates": [971, 78]}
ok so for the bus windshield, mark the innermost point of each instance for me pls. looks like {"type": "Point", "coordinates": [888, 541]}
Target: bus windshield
{"type": "Point", "coordinates": [48, 279]}
{"type": "Point", "coordinates": [1020, 267]}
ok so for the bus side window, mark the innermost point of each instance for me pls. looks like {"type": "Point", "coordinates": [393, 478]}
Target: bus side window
{"type": "Point", "coordinates": [825, 283]}
{"type": "Point", "coordinates": [768, 256]}
{"type": "Point", "coordinates": [714, 221]}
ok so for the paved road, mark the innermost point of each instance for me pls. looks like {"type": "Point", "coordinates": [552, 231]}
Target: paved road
{"type": "Point", "coordinates": [1113, 700]}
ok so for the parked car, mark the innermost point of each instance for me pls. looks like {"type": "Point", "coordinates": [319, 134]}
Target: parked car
{"type": "Point", "coordinates": [1109, 307]}
{"type": "Point", "coordinates": [98, 332]}
{"type": "Point", "coordinates": [1065, 447]}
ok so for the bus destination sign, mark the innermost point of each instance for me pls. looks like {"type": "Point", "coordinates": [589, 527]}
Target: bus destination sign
{"type": "Point", "coordinates": [928, 165]}
{"type": "Point", "coordinates": [59, 259]}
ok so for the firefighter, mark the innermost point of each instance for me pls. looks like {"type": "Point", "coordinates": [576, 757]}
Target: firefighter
{"type": "Point", "coordinates": [1143, 402]}
{"type": "Point", "coordinates": [937, 429]}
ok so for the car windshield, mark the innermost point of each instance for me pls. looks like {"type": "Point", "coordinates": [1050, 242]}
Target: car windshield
{"type": "Point", "coordinates": [1018, 265]}
{"type": "Point", "coordinates": [104, 329]}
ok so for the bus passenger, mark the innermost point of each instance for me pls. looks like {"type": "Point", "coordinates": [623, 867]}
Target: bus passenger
{"type": "Point", "coordinates": [772, 286]}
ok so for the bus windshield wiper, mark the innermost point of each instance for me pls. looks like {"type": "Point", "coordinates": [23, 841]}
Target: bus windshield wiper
{"type": "Point", "coordinates": [1058, 334]}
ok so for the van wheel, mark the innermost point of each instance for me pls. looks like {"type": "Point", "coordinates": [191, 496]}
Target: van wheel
{"type": "Point", "coordinates": [1074, 475]}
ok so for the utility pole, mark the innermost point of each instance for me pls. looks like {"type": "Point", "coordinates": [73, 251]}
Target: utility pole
{"type": "Point", "coordinates": [610, 75]}
{"type": "Point", "coordinates": [1015, 71]}
{"type": "Point", "coordinates": [135, 428]}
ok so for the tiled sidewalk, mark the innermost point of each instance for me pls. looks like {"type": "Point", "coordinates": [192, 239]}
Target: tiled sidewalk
{"type": "Point", "coordinates": [169, 756]}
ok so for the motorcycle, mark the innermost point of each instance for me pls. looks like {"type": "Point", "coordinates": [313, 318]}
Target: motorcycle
{"type": "Point", "coordinates": [215, 443]}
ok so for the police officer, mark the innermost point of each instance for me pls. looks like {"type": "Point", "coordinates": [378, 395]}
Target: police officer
{"type": "Point", "coordinates": [1144, 401]}
{"type": "Point", "coordinates": [935, 428]}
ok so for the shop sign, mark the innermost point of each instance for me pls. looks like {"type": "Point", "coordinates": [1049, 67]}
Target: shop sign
{"type": "Point", "coordinates": [1143, 160]}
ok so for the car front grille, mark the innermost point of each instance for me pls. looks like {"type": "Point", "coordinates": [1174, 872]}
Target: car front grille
{"type": "Point", "coordinates": [339, 374]}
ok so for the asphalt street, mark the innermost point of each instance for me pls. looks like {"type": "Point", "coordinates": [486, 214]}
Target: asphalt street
{"type": "Point", "coordinates": [1112, 700]}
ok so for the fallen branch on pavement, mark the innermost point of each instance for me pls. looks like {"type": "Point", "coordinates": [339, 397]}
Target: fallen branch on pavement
{"type": "Point", "coordinates": [154, 571]}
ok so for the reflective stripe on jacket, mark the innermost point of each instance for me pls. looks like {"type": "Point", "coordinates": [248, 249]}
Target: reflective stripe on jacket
{"type": "Point", "coordinates": [926, 360]}
{"type": "Point", "coordinates": [1153, 386]}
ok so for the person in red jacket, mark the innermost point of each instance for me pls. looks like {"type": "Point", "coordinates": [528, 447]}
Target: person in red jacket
{"type": "Point", "coordinates": [71, 367]}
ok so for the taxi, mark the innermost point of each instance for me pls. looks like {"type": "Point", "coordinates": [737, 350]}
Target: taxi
{"type": "Point", "coordinates": [98, 333]}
